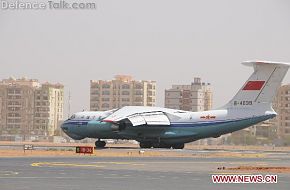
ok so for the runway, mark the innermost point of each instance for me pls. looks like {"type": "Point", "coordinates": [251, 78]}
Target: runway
{"type": "Point", "coordinates": [91, 172]}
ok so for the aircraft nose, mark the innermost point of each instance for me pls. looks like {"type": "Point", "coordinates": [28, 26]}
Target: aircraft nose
{"type": "Point", "coordinates": [64, 127]}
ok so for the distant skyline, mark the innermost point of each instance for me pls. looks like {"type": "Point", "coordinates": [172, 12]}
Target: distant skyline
{"type": "Point", "coordinates": [168, 41]}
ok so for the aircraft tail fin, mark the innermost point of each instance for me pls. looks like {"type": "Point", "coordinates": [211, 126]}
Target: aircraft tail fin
{"type": "Point", "coordinates": [262, 85]}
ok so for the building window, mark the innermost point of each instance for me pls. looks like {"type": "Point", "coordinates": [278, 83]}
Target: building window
{"type": "Point", "coordinates": [287, 130]}
{"type": "Point", "coordinates": [106, 86]}
{"type": "Point", "coordinates": [105, 105]}
{"type": "Point", "coordinates": [125, 93]}
{"type": "Point", "coordinates": [95, 105]}
{"type": "Point", "coordinates": [105, 99]}
{"type": "Point", "coordinates": [10, 91]}
{"type": "Point", "coordinates": [95, 93]}
{"type": "Point", "coordinates": [94, 86]}
{"type": "Point", "coordinates": [106, 92]}
{"type": "Point", "coordinates": [139, 86]}
{"type": "Point", "coordinates": [139, 92]}
{"type": "Point", "coordinates": [125, 86]}
{"type": "Point", "coordinates": [14, 109]}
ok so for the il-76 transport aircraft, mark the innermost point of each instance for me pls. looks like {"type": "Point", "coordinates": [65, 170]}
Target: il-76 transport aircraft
{"type": "Point", "coordinates": [165, 128]}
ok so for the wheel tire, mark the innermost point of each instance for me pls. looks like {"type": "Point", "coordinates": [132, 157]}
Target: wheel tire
{"type": "Point", "coordinates": [100, 144]}
{"type": "Point", "coordinates": [161, 145]}
{"type": "Point", "coordinates": [178, 146]}
{"type": "Point", "coordinates": [145, 145]}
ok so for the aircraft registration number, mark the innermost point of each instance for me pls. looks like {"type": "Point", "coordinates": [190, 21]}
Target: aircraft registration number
{"type": "Point", "coordinates": [243, 103]}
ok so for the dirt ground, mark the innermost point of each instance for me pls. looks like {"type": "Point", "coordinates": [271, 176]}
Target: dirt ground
{"type": "Point", "coordinates": [130, 145]}
{"type": "Point", "coordinates": [261, 169]}
{"type": "Point", "coordinates": [14, 149]}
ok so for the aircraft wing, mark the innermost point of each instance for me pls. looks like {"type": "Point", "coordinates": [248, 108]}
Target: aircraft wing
{"type": "Point", "coordinates": [139, 117]}
{"type": "Point", "coordinates": [151, 118]}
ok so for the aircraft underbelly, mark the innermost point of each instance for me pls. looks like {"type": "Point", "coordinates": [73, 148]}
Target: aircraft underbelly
{"type": "Point", "coordinates": [189, 132]}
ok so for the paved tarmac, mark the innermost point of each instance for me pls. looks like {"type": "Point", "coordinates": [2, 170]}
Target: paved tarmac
{"type": "Point", "coordinates": [85, 172]}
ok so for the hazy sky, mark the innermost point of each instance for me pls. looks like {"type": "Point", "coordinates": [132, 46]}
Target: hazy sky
{"type": "Point", "coordinates": [169, 41]}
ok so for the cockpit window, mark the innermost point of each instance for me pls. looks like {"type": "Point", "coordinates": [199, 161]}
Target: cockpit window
{"type": "Point", "coordinates": [73, 116]}
{"type": "Point", "coordinates": [88, 117]}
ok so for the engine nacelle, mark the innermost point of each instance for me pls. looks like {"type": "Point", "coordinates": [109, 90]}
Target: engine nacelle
{"type": "Point", "coordinates": [115, 127]}
{"type": "Point", "coordinates": [122, 125]}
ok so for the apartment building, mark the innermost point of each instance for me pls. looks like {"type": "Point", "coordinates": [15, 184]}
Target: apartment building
{"type": "Point", "coordinates": [48, 108]}
{"type": "Point", "coordinates": [281, 105]}
{"type": "Point", "coordinates": [28, 108]}
{"type": "Point", "coordinates": [123, 90]}
{"type": "Point", "coordinates": [196, 96]}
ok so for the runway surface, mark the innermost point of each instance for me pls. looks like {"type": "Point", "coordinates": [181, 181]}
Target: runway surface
{"type": "Point", "coordinates": [84, 172]}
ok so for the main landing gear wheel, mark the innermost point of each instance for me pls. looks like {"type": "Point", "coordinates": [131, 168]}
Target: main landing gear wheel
{"type": "Point", "coordinates": [100, 144]}
{"type": "Point", "coordinates": [161, 146]}
{"type": "Point", "coordinates": [178, 146]}
{"type": "Point", "coordinates": [145, 144]}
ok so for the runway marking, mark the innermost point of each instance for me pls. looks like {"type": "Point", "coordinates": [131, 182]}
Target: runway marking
{"type": "Point", "coordinates": [165, 162]}
{"type": "Point", "coordinates": [117, 177]}
{"type": "Point", "coordinates": [40, 164]}
{"type": "Point", "coordinates": [104, 164]}
{"type": "Point", "coordinates": [8, 173]}
{"type": "Point", "coordinates": [148, 162]}
{"type": "Point", "coordinates": [136, 163]}
{"type": "Point", "coordinates": [23, 177]}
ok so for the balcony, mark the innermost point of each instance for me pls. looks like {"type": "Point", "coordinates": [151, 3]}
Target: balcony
{"type": "Point", "coordinates": [14, 117]}
{"type": "Point", "coordinates": [14, 106]}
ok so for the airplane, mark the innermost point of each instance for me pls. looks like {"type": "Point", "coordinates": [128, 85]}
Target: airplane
{"type": "Point", "coordinates": [170, 128]}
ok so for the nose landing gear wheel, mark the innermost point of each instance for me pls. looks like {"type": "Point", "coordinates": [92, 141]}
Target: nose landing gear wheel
{"type": "Point", "coordinates": [178, 146]}
{"type": "Point", "coordinates": [100, 144]}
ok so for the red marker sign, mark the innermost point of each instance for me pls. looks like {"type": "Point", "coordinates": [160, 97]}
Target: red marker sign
{"type": "Point", "coordinates": [85, 149]}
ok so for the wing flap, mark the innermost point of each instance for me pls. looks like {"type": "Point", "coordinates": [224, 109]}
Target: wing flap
{"type": "Point", "coordinates": [151, 118]}
{"type": "Point", "coordinates": [137, 120]}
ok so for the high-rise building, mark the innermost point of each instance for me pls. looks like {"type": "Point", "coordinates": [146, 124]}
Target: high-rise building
{"type": "Point", "coordinates": [281, 105]}
{"type": "Point", "coordinates": [48, 108]}
{"type": "Point", "coordinates": [28, 108]}
{"type": "Point", "coordinates": [196, 96]}
{"type": "Point", "coordinates": [121, 91]}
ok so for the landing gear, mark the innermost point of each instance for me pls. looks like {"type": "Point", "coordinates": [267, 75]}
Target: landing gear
{"type": "Point", "coordinates": [100, 144]}
{"type": "Point", "coordinates": [178, 146]}
{"type": "Point", "coordinates": [161, 145]}
{"type": "Point", "coordinates": [145, 144]}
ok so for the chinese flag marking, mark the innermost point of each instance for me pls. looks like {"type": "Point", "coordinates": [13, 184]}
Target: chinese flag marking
{"type": "Point", "coordinates": [254, 85]}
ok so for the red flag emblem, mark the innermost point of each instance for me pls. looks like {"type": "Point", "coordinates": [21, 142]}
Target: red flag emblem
{"type": "Point", "coordinates": [254, 85]}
